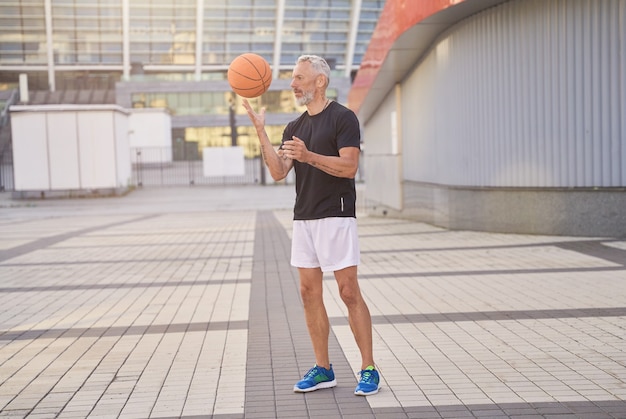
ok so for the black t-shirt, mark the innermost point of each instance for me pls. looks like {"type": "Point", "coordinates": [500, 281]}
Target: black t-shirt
{"type": "Point", "coordinates": [318, 194]}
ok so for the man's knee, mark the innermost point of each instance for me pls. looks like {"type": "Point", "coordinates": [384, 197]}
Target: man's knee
{"type": "Point", "coordinates": [350, 294]}
{"type": "Point", "coordinates": [311, 287]}
{"type": "Point", "coordinates": [349, 290]}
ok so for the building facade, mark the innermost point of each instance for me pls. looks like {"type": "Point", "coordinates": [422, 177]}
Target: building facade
{"type": "Point", "coordinates": [174, 54]}
{"type": "Point", "coordinates": [498, 115]}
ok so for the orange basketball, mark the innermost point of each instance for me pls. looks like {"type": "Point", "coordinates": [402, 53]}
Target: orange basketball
{"type": "Point", "coordinates": [249, 75]}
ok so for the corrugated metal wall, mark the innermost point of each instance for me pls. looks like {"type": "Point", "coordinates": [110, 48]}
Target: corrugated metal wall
{"type": "Point", "coordinates": [531, 93]}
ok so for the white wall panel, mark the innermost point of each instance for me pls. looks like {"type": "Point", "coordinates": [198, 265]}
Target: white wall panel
{"type": "Point", "coordinates": [123, 165]}
{"type": "Point", "coordinates": [382, 154]}
{"type": "Point", "coordinates": [30, 152]}
{"type": "Point", "coordinates": [97, 149]}
{"type": "Point", "coordinates": [384, 185]}
{"type": "Point", "coordinates": [151, 128]}
{"type": "Point", "coordinates": [63, 150]}
{"type": "Point", "coordinates": [70, 147]}
{"type": "Point", "coordinates": [531, 93]}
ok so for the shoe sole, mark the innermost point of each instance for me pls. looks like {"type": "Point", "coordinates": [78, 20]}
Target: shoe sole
{"type": "Point", "coordinates": [319, 386]}
{"type": "Point", "coordinates": [362, 393]}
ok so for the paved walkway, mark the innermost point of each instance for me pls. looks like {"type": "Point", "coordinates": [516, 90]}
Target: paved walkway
{"type": "Point", "coordinates": [181, 303]}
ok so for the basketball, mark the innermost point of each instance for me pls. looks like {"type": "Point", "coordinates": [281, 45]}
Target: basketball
{"type": "Point", "coordinates": [249, 75]}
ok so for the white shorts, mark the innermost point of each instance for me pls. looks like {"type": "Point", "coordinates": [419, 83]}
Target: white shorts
{"type": "Point", "coordinates": [328, 243]}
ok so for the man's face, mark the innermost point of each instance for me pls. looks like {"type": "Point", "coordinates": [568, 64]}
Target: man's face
{"type": "Point", "coordinates": [303, 83]}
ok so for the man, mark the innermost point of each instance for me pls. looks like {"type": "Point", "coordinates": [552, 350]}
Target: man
{"type": "Point", "coordinates": [323, 147]}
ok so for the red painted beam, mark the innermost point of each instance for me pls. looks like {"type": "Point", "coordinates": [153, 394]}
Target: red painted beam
{"type": "Point", "coordinates": [397, 17]}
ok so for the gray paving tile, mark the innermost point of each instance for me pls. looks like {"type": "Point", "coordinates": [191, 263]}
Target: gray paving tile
{"type": "Point", "coordinates": [181, 303]}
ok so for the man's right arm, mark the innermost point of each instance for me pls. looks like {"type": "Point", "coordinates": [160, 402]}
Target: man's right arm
{"type": "Point", "coordinates": [277, 164]}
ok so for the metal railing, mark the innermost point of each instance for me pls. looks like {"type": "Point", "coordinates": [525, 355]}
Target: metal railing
{"type": "Point", "coordinates": [152, 167]}
{"type": "Point", "coordinates": [155, 166]}
{"type": "Point", "coordinates": [6, 171]}
{"type": "Point", "coordinates": [6, 149]}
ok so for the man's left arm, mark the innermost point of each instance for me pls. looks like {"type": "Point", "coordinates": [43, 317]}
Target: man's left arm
{"type": "Point", "coordinates": [345, 165]}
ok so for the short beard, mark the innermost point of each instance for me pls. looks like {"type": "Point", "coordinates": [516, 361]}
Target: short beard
{"type": "Point", "coordinates": [305, 99]}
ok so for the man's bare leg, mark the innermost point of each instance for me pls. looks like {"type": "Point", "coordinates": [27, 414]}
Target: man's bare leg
{"type": "Point", "coordinates": [358, 313]}
{"type": "Point", "coordinates": [311, 290]}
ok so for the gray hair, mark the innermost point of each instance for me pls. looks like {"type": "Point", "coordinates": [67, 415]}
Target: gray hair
{"type": "Point", "coordinates": [318, 63]}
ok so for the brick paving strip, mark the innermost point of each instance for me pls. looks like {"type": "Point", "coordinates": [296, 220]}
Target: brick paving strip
{"type": "Point", "coordinates": [6, 254]}
{"type": "Point", "coordinates": [279, 350]}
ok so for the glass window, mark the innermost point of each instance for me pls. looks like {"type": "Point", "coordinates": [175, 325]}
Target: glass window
{"type": "Point", "coordinates": [164, 31]}
{"type": "Point", "coordinates": [214, 13]}
{"type": "Point", "coordinates": [339, 4]}
{"type": "Point", "coordinates": [221, 137]}
{"type": "Point", "coordinates": [185, 103]}
{"type": "Point", "coordinates": [240, 3]}
{"type": "Point", "coordinates": [268, 13]}
{"type": "Point", "coordinates": [292, 13]}
{"type": "Point", "coordinates": [316, 13]}
{"type": "Point", "coordinates": [86, 32]}
{"type": "Point", "coordinates": [22, 32]}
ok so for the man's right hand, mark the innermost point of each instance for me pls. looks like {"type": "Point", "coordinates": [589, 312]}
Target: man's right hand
{"type": "Point", "coordinates": [258, 119]}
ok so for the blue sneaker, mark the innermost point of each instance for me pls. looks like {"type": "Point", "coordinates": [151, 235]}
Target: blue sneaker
{"type": "Point", "coordinates": [317, 378]}
{"type": "Point", "coordinates": [369, 383]}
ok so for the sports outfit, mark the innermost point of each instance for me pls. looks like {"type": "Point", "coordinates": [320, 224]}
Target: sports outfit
{"type": "Point", "coordinates": [325, 233]}
{"type": "Point", "coordinates": [324, 226]}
